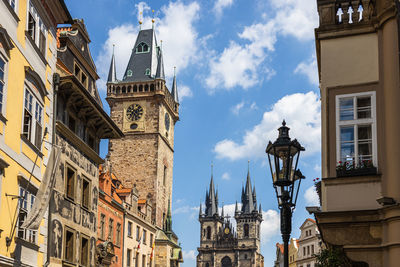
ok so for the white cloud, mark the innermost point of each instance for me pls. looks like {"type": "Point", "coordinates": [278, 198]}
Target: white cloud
{"type": "Point", "coordinates": [220, 5]}
{"type": "Point", "coordinates": [238, 65]}
{"type": "Point", "coordinates": [174, 27]}
{"type": "Point", "coordinates": [317, 168]}
{"type": "Point", "coordinates": [242, 62]}
{"type": "Point", "coordinates": [269, 225]}
{"type": "Point", "coordinates": [236, 108]}
{"type": "Point", "coordinates": [310, 69]}
{"type": "Point", "coordinates": [311, 196]}
{"type": "Point", "coordinates": [141, 7]}
{"type": "Point", "coordinates": [296, 18]}
{"type": "Point", "coordinates": [253, 106]}
{"type": "Point", "coordinates": [226, 176]}
{"type": "Point", "coordinates": [189, 255]}
{"type": "Point", "coordinates": [185, 209]}
{"type": "Point", "coordinates": [184, 92]}
{"type": "Point", "coordinates": [301, 112]}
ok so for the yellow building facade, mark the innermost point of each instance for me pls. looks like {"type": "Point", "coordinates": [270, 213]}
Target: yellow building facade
{"type": "Point", "coordinates": [28, 55]}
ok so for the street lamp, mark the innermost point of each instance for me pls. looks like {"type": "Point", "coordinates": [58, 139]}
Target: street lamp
{"type": "Point", "coordinates": [283, 157]}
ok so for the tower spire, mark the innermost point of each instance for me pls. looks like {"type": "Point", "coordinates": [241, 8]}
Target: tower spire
{"type": "Point", "coordinates": [211, 200]}
{"type": "Point", "coordinates": [112, 73]}
{"type": "Point", "coordinates": [168, 220]}
{"type": "Point", "coordinates": [174, 91]}
{"type": "Point", "coordinates": [247, 198]}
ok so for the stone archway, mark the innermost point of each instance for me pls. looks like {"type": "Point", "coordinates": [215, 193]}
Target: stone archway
{"type": "Point", "coordinates": [226, 262]}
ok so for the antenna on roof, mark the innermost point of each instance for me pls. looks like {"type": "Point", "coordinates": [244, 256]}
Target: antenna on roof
{"type": "Point", "coordinates": [140, 20]}
{"type": "Point", "coordinates": [153, 20]}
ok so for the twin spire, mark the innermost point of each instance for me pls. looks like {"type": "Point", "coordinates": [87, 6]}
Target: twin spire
{"type": "Point", "coordinates": [248, 199]}
{"type": "Point", "coordinates": [145, 64]}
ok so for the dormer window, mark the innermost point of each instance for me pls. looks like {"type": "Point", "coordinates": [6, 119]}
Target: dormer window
{"type": "Point", "coordinates": [129, 73]}
{"type": "Point", "coordinates": [142, 48]}
{"type": "Point", "coordinates": [147, 72]}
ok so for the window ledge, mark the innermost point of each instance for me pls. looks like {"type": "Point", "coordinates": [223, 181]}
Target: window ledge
{"type": "Point", "coordinates": [3, 119]}
{"type": "Point", "coordinates": [27, 244]}
{"type": "Point", "coordinates": [32, 146]}
{"type": "Point", "coordinates": [12, 11]}
{"type": "Point", "coordinates": [356, 172]}
{"type": "Point", "coordinates": [36, 48]}
{"type": "Point", "coordinates": [78, 143]}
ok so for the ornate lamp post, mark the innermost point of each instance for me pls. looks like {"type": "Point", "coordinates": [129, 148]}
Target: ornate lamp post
{"type": "Point", "coordinates": [283, 156]}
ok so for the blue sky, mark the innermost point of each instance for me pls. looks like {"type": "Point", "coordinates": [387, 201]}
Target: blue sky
{"type": "Point", "coordinates": [242, 67]}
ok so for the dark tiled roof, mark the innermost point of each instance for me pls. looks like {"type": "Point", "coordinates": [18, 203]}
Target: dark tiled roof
{"type": "Point", "coordinates": [140, 62]}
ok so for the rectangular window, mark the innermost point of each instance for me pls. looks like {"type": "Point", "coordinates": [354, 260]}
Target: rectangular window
{"type": "Point", "coordinates": [151, 239]}
{"type": "Point", "coordinates": [118, 235]}
{"type": "Point", "coordinates": [129, 229]}
{"type": "Point", "coordinates": [25, 203]}
{"type": "Point", "coordinates": [2, 81]}
{"type": "Point", "coordinates": [312, 249]}
{"type": "Point", "coordinates": [84, 251]}
{"type": "Point", "coordinates": [137, 233]}
{"type": "Point", "coordinates": [26, 130]}
{"type": "Point", "coordinates": [128, 257]}
{"type": "Point", "coordinates": [31, 26]}
{"type": "Point", "coordinates": [42, 42]}
{"type": "Point", "coordinates": [304, 251]}
{"type": "Point", "coordinates": [36, 29]}
{"type": "Point", "coordinates": [33, 119]}
{"type": "Point", "coordinates": [137, 260]}
{"type": "Point", "coordinates": [69, 246]}
{"type": "Point", "coordinates": [165, 175]}
{"type": "Point", "coordinates": [356, 129]}
{"type": "Point", "coordinates": [13, 4]}
{"type": "Point", "coordinates": [143, 260]}
{"type": "Point", "coordinates": [70, 184]}
{"type": "Point", "coordinates": [110, 230]}
{"type": "Point", "coordinates": [71, 123]}
{"type": "Point", "coordinates": [102, 228]}
{"type": "Point", "coordinates": [144, 236]}
{"type": "Point", "coordinates": [308, 250]}
{"type": "Point", "coordinates": [85, 193]}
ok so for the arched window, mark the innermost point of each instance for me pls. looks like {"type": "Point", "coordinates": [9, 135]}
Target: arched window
{"type": "Point", "coordinates": [226, 262]}
{"type": "Point", "coordinates": [208, 232]}
{"type": "Point", "coordinates": [246, 230]}
{"type": "Point", "coordinates": [142, 48]}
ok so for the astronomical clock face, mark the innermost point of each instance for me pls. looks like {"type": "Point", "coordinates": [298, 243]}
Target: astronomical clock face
{"type": "Point", "coordinates": [167, 121]}
{"type": "Point", "coordinates": [227, 231]}
{"type": "Point", "coordinates": [134, 112]}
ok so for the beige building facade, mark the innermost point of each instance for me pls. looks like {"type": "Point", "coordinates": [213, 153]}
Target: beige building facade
{"type": "Point", "coordinates": [309, 244]}
{"type": "Point", "coordinates": [140, 231]}
{"type": "Point", "coordinates": [357, 51]}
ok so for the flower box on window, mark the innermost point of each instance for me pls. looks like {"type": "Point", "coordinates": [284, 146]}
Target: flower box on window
{"type": "Point", "coordinates": [356, 172]}
{"type": "Point", "coordinates": [365, 167]}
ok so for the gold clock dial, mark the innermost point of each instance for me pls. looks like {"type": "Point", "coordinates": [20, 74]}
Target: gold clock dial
{"type": "Point", "coordinates": [134, 112]}
{"type": "Point", "coordinates": [226, 231]}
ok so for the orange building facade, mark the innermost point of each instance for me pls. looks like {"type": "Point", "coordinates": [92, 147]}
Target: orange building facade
{"type": "Point", "coordinates": [110, 218]}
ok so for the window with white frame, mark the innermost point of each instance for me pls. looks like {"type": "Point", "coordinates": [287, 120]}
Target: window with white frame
{"type": "Point", "coordinates": [33, 119]}
{"type": "Point", "coordinates": [13, 4]}
{"type": "Point", "coordinates": [2, 81]}
{"type": "Point", "coordinates": [36, 28]}
{"type": "Point", "coordinates": [356, 129]}
{"type": "Point", "coordinates": [26, 203]}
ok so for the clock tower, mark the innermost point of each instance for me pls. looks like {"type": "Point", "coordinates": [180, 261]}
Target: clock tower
{"type": "Point", "coordinates": [146, 111]}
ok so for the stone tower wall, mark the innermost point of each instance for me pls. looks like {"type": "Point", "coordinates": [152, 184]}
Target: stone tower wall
{"type": "Point", "coordinates": [139, 158]}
